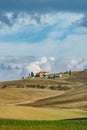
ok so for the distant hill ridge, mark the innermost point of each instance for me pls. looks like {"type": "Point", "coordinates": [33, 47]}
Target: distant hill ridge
{"type": "Point", "coordinates": [66, 79]}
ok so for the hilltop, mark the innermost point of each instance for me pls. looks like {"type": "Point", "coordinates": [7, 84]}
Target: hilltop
{"type": "Point", "coordinates": [77, 77]}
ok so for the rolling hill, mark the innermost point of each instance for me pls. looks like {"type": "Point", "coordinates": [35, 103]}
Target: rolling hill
{"type": "Point", "coordinates": [74, 97]}
{"type": "Point", "coordinates": [53, 99]}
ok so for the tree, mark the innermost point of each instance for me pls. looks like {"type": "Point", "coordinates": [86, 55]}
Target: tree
{"type": "Point", "coordinates": [22, 77]}
{"type": "Point", "coordinates": [29, 75]}
{"type": "Point", "coordinates": [70, 72]}
{"type": "Point", "coordinates": [32, 74]}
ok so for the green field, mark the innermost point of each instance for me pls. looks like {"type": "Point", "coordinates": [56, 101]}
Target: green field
{"type": "Point", "coordinates": [74, 124]}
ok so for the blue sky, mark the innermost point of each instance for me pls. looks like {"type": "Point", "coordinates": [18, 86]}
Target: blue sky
{"type": "Point", "coordinates": [43, 28]}
{"type": "Point", "coordinates": [42, 35]}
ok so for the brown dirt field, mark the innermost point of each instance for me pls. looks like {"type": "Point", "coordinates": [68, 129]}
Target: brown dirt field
{"type": "Point", "coordinates": [23, 99]}
{"type": "Point", "coordinates": [24, 95]}
{"type": "Point", "coordinates": [78, 76]}
{"type": "Point", "coordinates": [30, 113]}
{"type": "Point", "coordinates": [74, 98]}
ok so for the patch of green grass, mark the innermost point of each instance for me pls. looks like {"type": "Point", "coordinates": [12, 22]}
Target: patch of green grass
{"type": "Point", "coordinates": [74, 124]}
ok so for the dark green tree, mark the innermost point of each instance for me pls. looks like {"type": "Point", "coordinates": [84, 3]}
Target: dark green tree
{"type": "Point", "coordinates": [70, 72]}
{"type": "Point", "coordinates": [32, 74]}
{"type": "Point", "coordinates": [22, 77]}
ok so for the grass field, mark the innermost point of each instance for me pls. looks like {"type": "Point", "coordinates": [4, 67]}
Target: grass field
{"type": "Point", "coordinates": [74, 124]}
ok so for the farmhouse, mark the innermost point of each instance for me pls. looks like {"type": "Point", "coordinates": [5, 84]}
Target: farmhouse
{"type": "Point", "coordinates": [42, 74]}
{"type": "Point", "coordinates": [57, 75]}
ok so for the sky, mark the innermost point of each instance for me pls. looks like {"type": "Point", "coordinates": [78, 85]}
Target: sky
{"type": "Point", "coordinates": [43, 28]}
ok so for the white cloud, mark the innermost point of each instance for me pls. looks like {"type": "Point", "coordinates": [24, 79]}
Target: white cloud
{"type": "Point", "coordinates": [16, 67]}
{"type": "Point", "coordinates": [26, 21]}
{"type": "Point", "coordinates": [52, 58]}
{"type": "Point", "coordinates": [73, 43]}
{"type": "Point", "coordinates": [41, 64]}
{"type": "Point", "coordinates": [61, 40]}
{"type": "Point", "coordinates": [9, 15]}
{"type": "Point", "coordinates": [33, 67]}
{"type": "Point", "coordinates": [72, 46]}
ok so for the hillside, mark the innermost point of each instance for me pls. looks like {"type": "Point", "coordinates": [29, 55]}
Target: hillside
{"type": "Point", "coordinates": [78, 76]}
{"type": "Point", "coordinates": [75, 97]}
{"type": "Point", "coordinates": [30, 82]}
{"type": "Point", "coordinates": [45, 99]}
{"type": "Point", "coordinates": [71, 91]}
{"type": "Point", "coordinates": [14, 96]}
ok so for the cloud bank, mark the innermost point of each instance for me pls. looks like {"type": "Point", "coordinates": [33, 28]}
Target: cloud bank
{"type": "Point", "coordinates": [40, 35]}
{"type": "Point", "coordinates": [12, 68]}
{"type": "Point", "coordinates": [43, 28]}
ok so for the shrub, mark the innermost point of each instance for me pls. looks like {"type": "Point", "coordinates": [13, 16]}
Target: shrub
{"type": "Point", "coordinates": [4, 86]}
